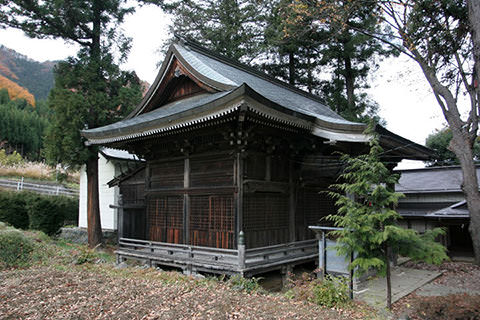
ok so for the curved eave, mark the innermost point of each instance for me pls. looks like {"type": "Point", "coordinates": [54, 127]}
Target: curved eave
{"type": "Point", "coordinates": [399, 145]}
{"type": "Point", "coordinates": [173, 53]}
{"type": "Point", "coordinates": [222, 106]}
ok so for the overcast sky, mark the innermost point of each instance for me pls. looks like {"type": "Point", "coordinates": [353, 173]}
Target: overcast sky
{"type": "Point", "coordinates": [399, 87]}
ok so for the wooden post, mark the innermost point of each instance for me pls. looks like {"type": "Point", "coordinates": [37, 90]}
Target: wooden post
{"type": "Point", "coordinates": [120, 218]}
{"type": "Point", "coordinates": [186, 202]}
{"type": "Point", "coordinates": [241, 251]}
{"type": "Point", "coordinates": [292, 204]}
{"type": "Point", "coordinates": [239, 207]}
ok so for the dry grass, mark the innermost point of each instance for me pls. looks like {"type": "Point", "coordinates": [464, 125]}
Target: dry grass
{"type": "Point", "coordinates": [35, 171]}
{"type": "Point", "coordinates": [32, 170]}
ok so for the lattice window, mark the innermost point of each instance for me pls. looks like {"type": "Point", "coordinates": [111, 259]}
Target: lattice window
{"type": "Point", "coordinates": [211, 172]}
{"type": "Point", "coordinates": [167, 174]}
{"type": "Point", "coordinates": [165, 218]}
{"type": "Point", "coordinates": [264, 211]}
{"type": "Point", "coordinates": [212, 221]}
{"type": "Point", "coordinates": [315, 205]}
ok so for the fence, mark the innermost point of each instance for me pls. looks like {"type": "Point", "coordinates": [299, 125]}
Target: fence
{"type": "Point", "coordinates": [20, 185]}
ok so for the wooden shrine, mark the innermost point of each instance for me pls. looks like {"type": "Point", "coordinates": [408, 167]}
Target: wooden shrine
{"type": "Point", "coordinates": [236, 167]}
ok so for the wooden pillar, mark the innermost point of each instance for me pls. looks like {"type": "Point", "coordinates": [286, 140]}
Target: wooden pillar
{"type": "Point", "coordinates": [186, 201]}
{"type": "Point", "coordinates": [239, 195]}
{"type": "Point", "coordinates": [120, 230]}
{"type": "Point", "coordinates": [292, 203]}
{"type": "Point", "coordinates": [241, 252]}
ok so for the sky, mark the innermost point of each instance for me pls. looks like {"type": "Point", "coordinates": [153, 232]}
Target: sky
{"type": "Point", "coordinates": [398, 86]}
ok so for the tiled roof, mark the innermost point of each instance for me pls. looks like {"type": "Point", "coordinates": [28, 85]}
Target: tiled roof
{"type": "Point", "coordinates": [434, 179]}
{"type": "Point", "coordinates": [223, 70]}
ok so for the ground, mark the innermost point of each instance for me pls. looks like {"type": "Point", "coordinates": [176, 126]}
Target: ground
{"type": "Point", "coordinates": [63, 289]}
{"type": "Point", "coordinates": [453, 295]}
{"type": "Point", "coordinates": [67, 281]}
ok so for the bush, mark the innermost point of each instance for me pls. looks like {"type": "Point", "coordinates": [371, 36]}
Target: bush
{"type": "Point", "coordinates": [15, 249]}
{"type": "Point", "coordinates": [40, 212]}
{"type": "Point", "coordinates": [331, 291]}
{"type": "Point", "coordinates": [45, 215]}
{"type": "Point", "coordinates": [69, 207]}
{"type": "Point", "coordinates": [454, 306]}
{"type": "Point", "coordinates": [11, 159]}
{"type": "Point", "coordinates": [240, 283]}
{"type": "Point", "coordinates": [13, 209]}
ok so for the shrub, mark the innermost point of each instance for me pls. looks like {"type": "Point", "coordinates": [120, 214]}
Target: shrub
{"type": "Point", "coordinates": [240, 283]}
{"type": "Point", "coordinates": [69, 207]}
{"type": "Point", "coordinates": [331, 291]}
{"type": "Point", "coordinates": [45, 215]}
{"type": "Point", "coordinates": [13, 209]}
{"type": "Point", "coordinates": [15, 249]}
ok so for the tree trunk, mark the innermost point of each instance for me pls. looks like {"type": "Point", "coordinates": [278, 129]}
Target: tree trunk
{"type": "Point", "coordinates": [291, 68]}
{"type": "Point", "coordinates": [94, 227]}
{"type": "Point", "coordinates": [389, 277]}
{"type": "Point", "coordinates": [349, 83]}
{"type": "Point", "coordinates": [461, 147]}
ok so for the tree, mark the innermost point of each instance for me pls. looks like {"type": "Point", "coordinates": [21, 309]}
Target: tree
{"type": "Point", "coordinates": [439, 142]}
{"type": "Point", "coordinates": [348, 56]}
{"type": "Point", "coordinates": [229, 27]}
{"type": "Point", "coordinates": [366, 202]}
{"type": "Point", "coordinates": [94, 25]}
{"type": "Point", "coordinates": [443, 37]}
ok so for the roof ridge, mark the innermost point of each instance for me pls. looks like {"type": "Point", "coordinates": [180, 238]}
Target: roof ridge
{"type": "Point", "coordinates": [451, 167]}
{"type": "Point", "coordinates": [200, 48]}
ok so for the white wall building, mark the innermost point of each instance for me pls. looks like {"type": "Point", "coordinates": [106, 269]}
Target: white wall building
{"type": "Point", "coordinates": [111, 163]}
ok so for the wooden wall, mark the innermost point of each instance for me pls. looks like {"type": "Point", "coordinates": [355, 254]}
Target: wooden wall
{"type": "Point", "coordinates": [190, 200]}
{"type": "Point", "coordinates": [133, 200]}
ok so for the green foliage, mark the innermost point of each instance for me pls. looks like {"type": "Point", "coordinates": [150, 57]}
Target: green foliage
{"type": "Point", "coordinates": [365, 202]}
{"type": "Point", "coordinates": [13, 209]}
{"type": "Point", "coordinates": [11, 159]}
{"type": "Point", "coordinates": [330, 292]}
{"type": "Point", "coordinates": [229, 27]}
{"type": "Point", "coordinates": [15, 249]}
{"type": "Point", "coordinates": [22, 128]}
{"type": "Point", "coordinates": [40, 212]}
{"type": "Point", "coordinates": [249, 285]}
{"type": "Point", "coordinates": [100, 101]}
{"type": "Point", "coordinates": [85, 255]}
{"type": "Point", "coordinates": [439, 142]}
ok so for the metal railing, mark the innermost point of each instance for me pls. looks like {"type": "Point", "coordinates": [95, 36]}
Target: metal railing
{"type": "Point", "coordinates": [20, 185]}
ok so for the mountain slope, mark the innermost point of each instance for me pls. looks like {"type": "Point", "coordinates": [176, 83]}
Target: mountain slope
{"type": "Point", "coordinates": [35, 77]}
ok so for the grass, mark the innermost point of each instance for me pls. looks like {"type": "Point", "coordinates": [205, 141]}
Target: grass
{"type": "Point", "coordinates": [38, 172]}
{"type": "Point", "coordinates": [67, 280]}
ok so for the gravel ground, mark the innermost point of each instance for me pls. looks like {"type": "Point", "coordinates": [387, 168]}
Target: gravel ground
{"type": "Point", "coordinates": [102, 292]}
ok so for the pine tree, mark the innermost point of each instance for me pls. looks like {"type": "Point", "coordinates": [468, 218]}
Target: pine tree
{"type": "Point", "coordinates": [366, 202]}
{"type": "Point", "coordinates": [347, 55]}
{"type": "Point", "coordinates": [95, 26]}
{"type": "Point", "coordinates": [229, 27]}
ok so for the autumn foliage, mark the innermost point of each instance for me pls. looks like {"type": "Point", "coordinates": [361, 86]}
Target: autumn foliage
{"type": "Point", "coordinates": [15, 91]}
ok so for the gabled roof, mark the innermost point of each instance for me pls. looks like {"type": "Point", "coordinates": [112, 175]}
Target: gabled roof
{"type": "Point", "coordinates": [431, 180]}
{"type": "Point", "coordinates": [224, 87]}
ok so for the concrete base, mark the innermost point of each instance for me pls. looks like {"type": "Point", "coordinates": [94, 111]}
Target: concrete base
{"type": "Point", "coordinates": [79, 235]}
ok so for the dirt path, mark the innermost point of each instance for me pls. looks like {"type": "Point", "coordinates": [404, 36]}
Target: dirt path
{"type": "Point", "coordinates": [94, 292]}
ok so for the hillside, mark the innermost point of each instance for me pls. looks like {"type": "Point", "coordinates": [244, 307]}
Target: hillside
{"type": "Point", "coordinates": [35, 77]}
